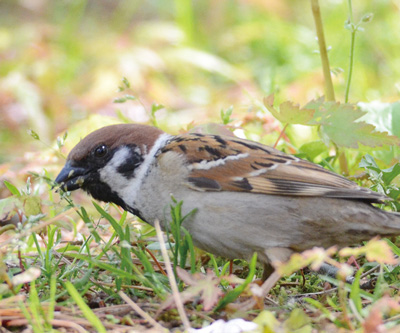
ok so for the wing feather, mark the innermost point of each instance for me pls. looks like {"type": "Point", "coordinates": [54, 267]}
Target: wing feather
{"type": "Point", "coordinates": [219, 163]}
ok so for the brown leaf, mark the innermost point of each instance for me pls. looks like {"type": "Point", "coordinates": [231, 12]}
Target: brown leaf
{"type": "Point", "coordinates": [204, 286]}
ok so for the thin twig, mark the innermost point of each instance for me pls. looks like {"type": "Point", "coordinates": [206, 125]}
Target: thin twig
{"type": "Point", "coordinates": [280, 135]}
{"type": "Point", "coordinates": [67, 323]}
{"type": "Point", "coordinates": [373, 269]}
{"type": "Point", "coordinates": [54, 322]}
{"type": "Point", "coordinates": [156, 262]}
{"type": "Point", "coordinates": [316, 293]}
{"type": "Point", "coordinates": [171, 277]}
{"type": "Point", "coordinates": [271, 301]}
{"type": "Point", "coordinates": [84, 322]}
{"type": "Point", "coordinates": [122, 286]}
{"type": "Point", "coordinates": [142, 313]}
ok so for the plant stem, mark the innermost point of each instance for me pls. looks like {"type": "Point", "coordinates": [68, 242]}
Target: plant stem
{"type": "Point", "coordinates": [330, 93]}
{"type": "Point", "coordinates": [350, 10]}
{"type": "Point", "coordinates": [351, 56]}
{"type": "Point", "coordinates": [351, 60]}
{"type": "Point", "coordinates": [344, 166]}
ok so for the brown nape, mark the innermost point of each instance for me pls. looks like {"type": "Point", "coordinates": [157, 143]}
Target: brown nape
{"type": "Point", "coordinates": [114, 136]}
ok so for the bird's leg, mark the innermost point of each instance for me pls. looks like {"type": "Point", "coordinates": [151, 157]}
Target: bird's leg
{"type": "Point", "coordinates": [270, 274]}
{"type": "Point", "coordinates": [269, 283]}
{"type": "Point", "coordinates": [259, 293]}
{"type": "Point", "coordinates": [268, 270]}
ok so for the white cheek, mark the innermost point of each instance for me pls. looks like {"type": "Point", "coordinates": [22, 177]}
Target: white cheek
{"type": "Point", "coordinates": [110, 175]}
{"type": "Point", "coordinates": [128, 188]}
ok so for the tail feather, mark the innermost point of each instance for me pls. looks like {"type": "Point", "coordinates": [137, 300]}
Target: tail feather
{"type": "Point", "coordinates": [391, 224]}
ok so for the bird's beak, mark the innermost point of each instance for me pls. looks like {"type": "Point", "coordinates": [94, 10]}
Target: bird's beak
{"type": "Point", "coordinates": [71, 178]}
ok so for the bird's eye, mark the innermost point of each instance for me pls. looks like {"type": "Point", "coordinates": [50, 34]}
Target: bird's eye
{"type": "Point", "coordinates": [100, 151]}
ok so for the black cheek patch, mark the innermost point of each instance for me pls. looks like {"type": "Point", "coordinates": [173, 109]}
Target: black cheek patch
{"type": "Point", "coordinates": [103, 192]}
{"type": "Point", "coordinates": [128, 167]}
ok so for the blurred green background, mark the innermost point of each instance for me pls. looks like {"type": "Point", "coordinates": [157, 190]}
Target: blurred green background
{"type": "Point", "coordinates": [61, 61]}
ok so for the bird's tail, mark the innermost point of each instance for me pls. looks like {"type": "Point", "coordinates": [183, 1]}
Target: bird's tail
{"type": "Point", "coordinates": [391, 224]}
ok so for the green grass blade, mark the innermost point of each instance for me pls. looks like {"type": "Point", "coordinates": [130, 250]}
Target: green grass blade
{"type": "Point", "coordinates": [118, 229]}
{"type": "Point", "coordinates": [355, 291]}
{"type": "Point", "coordinates": [235, 293]}
{"type": "Point", "coordinates": [189, 241]}
{"type": "Point", "coordinates": [34, 306]}
{"type": "Point", "coordinates": [87, 312]}
{"type": "Point", "coordinates": [52, 299]}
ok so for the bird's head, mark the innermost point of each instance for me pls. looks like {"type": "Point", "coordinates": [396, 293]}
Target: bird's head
{"type": "Point", "coordinates": [108, 160]}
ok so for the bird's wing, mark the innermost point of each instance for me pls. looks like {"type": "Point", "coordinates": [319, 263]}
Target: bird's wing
{"type": "Point", "coordinates": [219, 163]}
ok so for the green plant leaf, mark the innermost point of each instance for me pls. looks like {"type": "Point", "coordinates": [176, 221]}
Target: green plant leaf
{"type": "Point", "coordinates": [8, 205]}
{"type": "Point", "coordinates": [313, 149]}
{"type": "Point", "coordinates": [226, 115]}
{"type": "Point", "coordinates": [32, 204]}
{"type": "Point", "coordinates": [340, 122]}
{"type": "Point", "coordinates": [375, 250]}
{"type": "Point", "coordinates": [267, 322]}
{"type": "Point", "coordinates": [33, 134]}
{"type": "Point", "coordinates": [13, 189]}
{"type": "Point", "coordinates": [390, 173]}
{"type": "Point", "coordinates": [314, 257]}
{"type": "Point", "coordinates": [289, 113]}
{"type": "Point", "coordinates": [384, 116]}
{"type": "Point", "coordinates": [382, 179]}
{"type": "Point", "coordinates": [298, 322]}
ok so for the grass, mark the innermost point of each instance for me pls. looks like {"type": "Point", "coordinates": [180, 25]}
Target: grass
{"type": "Point", "coordinates": [81, 265]}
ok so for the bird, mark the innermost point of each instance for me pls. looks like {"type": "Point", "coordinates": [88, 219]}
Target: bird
{"type": "Point", "coordinates": [246, 197]}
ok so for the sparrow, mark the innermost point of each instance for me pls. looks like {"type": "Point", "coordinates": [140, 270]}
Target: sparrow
{"type": "Point", "coordinates": [246, 197]}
